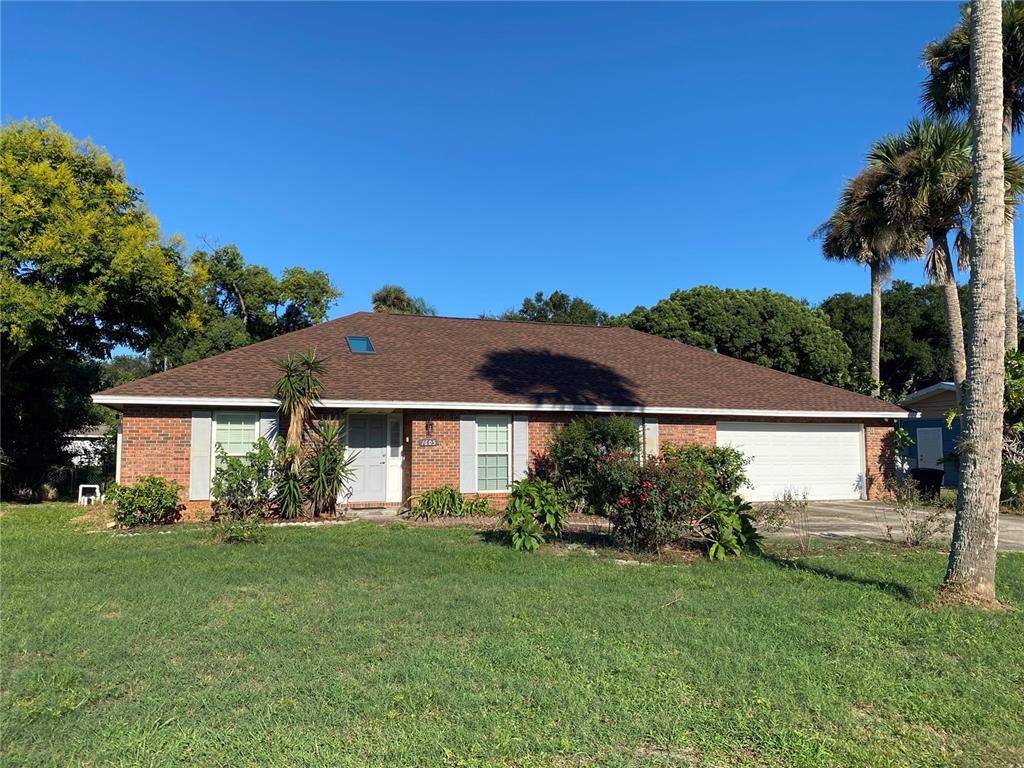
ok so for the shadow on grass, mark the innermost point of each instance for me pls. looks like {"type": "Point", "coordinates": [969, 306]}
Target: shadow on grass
{"type": "Point", "coordinates": [893, 588]}
{"type": "Point", "coordinates": [588, 539]}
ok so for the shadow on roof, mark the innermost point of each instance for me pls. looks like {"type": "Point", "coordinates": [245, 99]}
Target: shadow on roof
{"type": "Point", "coordinates": [545, 377]}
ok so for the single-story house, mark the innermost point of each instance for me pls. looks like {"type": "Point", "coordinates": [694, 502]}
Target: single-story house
{"type": "Point", "coordinates": [473, 403]}
{"type": "Point", "coordinates": [933, 439]}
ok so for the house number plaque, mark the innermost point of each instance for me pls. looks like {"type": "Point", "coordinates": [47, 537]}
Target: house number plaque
{"type": "Point", "coordinates": [428, 442]}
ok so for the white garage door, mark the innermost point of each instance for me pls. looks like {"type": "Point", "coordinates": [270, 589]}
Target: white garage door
{"type": "Point", "coordinates": [825, 460]}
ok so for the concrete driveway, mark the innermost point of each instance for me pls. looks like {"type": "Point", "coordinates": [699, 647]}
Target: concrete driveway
{"type": "Point", "coordinates": [867, 520]}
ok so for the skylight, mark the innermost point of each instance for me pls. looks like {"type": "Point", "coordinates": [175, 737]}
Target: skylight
{"type": "Point", "coordinates": [361, 345]}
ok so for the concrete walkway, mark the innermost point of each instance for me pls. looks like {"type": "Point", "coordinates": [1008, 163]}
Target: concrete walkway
{"type": "Point", "coordinates": [867, 520]}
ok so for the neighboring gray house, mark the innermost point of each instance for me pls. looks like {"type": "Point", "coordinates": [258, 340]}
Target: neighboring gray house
{"type": "Point", "coordinates": [933, 440]}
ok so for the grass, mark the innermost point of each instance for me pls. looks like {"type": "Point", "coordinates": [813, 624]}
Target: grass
{"type": "Point", "coordinates": [370, 645]}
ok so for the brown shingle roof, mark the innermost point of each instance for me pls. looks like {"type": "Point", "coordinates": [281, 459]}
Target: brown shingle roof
{"type": "Point", "coordinates": [457, 360]}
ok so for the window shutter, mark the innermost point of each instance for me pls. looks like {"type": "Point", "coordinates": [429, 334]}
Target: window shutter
{"type": "Point", "coordinates": [467, 453]}
{"type": "Point", "coordinates": [520, 447]}
{"type": "Point", "coordinates": [199, 469]}
{"type": "Point", "coordinates": [268, 425]}
{"type": "Point", "coordinates": [117, 456]}
{"type": "Point", "coordinates": [651, 445]}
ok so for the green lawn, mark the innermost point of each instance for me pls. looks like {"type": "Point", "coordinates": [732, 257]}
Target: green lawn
{"type": "Point", "coordinates": [391, 645]}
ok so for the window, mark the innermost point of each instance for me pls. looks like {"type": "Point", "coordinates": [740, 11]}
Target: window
{"type": "Point", "coordinates": [361, 345]}
{"type": "Point", "coordinates": [492, 453]}
{"type": "Point", "coordinates": [236, 433]}
{"type": "Point", "coordinates": [395, 441]}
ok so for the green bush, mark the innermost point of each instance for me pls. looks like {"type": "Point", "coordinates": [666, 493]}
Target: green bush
{"type": "Point", "coordinates": [534, 508]}
{"type": "Point", "coordinates": [446, 501]}
{"type": "Point", "coordinates": [726, 526]}
{"type": "Point", "coordinates": [150, 500]}
{"type": "Point", "coordinates": [244, 487]}
{"type": "Point", "coordinates": [1013, 484]}
{"type": "Point", "coordinates": [525, 533]}
{"type": "Point", "coordinates": [684, 498]}
{"type": "Point", "coordinates": [239, 530]}
{"type": "Point", "coordinates": [724, 468]}
{"type": "Point", "coordinates": [579, 448]}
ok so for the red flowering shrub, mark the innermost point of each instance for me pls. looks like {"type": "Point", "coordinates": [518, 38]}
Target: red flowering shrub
{"type": "Point", "coordinates": [684, 498]}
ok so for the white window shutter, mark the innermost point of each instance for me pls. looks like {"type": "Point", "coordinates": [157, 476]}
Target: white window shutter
{"type": "Point", "coordinates": [651, 445]}
{"type": "Point", "coordinates": [117, 456]}
{"type": "Point", "coordinates": [199, 467]}
{"type": "Point", "coordinates": [520, 447]}
{"type": "Point", "coordinates": [268, 425]}
{"type": "Point", "coordinates": [467, 453]}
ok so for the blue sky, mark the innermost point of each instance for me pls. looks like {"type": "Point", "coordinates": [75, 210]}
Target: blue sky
{"type": "Point", "coordinates": [477, 153]}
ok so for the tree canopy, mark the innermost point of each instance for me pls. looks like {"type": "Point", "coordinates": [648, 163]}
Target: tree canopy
{"type": "Point", "coordinates": [394, 300]}
{"type": "Point", "coordinates": [557, 307]}
{"type": "Point", "coordinates": [915, 342]}
{"type": "Point", "coordinates": [83, 270]}
{"type": "Point", "coordinates": [759, 326]}
{"type": "Point", "coordinates": [237, 303]}
{"type": "Point", "coordinates": [82, 263]}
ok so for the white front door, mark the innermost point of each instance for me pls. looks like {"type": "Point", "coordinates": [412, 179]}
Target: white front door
{"type": "Point", "coordinates": [929, 448]}
{"type": "Point", "coordinates": [825, 461]}
{"type": "Point", "coordinates": [368, 443]}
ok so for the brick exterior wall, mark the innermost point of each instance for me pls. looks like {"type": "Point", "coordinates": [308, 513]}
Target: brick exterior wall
{"type": "Point", "coordinates": [686, 430]}
{"type": "Point", "coordinates": [879, 457]}
{"type": "Point", "coordinates": [157, 441]}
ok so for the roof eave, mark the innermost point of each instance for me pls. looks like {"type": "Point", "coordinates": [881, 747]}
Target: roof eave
{"type": "Point", "coordinates": [245, 402]}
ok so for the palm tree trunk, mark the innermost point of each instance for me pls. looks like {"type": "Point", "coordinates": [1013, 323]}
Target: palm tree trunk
{"type": "Point", "coordinates": [876, 329]}
{"type": "Point", "coordinates": [954, 319]}
{"type": "Point", "coordinates": [1011, 264]}
{"type": "Point", "coordinates": [971, 573]}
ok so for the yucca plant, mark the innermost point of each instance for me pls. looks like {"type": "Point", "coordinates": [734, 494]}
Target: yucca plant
{"type": "Point", "coordinates": [326, 470]}
{"type": "Point", "coordinates": [287, 482]}
{"type": "Point", "coordinates": [297, 389]}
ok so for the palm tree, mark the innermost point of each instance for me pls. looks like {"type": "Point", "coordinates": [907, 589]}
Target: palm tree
{"type": "Point", "coordinates": [860, 231]}
{"type": "Point", "coordinates": [926, 181]}
{"type": "Point", "coordinates": [297, 390]}
{"type": "Point", "coordinates": [947, 93]}
{"type": "Point", "coordinates": [394, 300]}
{"type": "Point", "coordinates": [971, 572]}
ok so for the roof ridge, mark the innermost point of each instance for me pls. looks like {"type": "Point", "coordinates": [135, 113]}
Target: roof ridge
{"type": "Point", "coordinates": [547, 323]}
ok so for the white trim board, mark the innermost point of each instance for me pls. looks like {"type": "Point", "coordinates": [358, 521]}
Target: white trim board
{"type": "Point", "coordinates": [250, 402]}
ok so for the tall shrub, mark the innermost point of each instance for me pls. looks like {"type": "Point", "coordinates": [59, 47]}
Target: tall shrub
{"type": "Point", "coordinates": [579, 448]}
{"type": "Point", "coordinates": [244, 487]}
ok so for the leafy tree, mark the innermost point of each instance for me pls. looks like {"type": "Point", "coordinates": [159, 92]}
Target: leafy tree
{"type": "Point", "coordinates": [239, 303]}
{"type": "Point", "coordinates": [394, 300]}
{"type": "Point", "coordinates": [860, 231]}
{"type": "Point", "coordinates": [947, 93]}
{"type": "Point", "coordinates": [759, 326]}
{"type": "Point", "coordinates": [557, 307]}
{"type": "Point", "coordinates": [121, 369]}
{"type": "Point", "coordinates": [971, 572]}
{"type": "Point", "coordinates": [83, 270]}
{"type": "Point", "coordinates": [914, 344]}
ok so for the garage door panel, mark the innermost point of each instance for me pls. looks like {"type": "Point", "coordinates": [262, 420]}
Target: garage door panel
{"type": "Point", "coordinates": [825, 460]}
